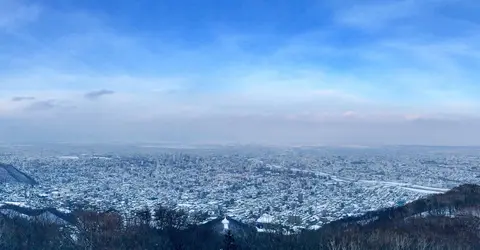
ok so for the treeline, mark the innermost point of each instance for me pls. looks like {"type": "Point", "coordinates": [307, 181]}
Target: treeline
{"type": "Point", "coordinates": [164, 229]}
{"type": "Point", "coordinates": [444, 221]}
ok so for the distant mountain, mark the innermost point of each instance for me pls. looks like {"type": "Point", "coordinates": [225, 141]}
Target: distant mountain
{"type": "Point", "coordinates": [9, 173]}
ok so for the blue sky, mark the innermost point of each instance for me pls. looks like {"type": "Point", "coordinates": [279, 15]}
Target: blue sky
{"type": "Point", "coordinates": [305, 72]}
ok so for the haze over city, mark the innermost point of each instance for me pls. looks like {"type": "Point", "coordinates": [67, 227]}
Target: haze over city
{"type": "Point", "coordinates": [269, 72]}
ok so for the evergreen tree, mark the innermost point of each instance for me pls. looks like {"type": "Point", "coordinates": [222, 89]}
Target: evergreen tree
{"type": "Point", "coordinates": [229, 241]}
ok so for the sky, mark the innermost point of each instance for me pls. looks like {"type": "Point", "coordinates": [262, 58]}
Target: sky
{"type": "Point", "coordinates": [304, 72]}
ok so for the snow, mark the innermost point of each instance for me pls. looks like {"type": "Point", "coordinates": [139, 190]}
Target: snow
{"type": "Point", "coordinates": [185, 205]}
{"type": "Point", "coordinates": [408, 186]}
{"type": "Point", "coordinates": [68, 157]}
{"type": "Point", "coordinates": [265, 218]}
{"type": "Point", "coordinates": [332, 187]}
{"type": "Point", "coordinates": [16, 203]}
{"type": "Point", "coordinates": [423, 191]}
{"type": "Point", "coordinates": [225, 223]}
{"type": "Point", "coordinates": [64, 210]}
{"type": "Point", "coordinates": [101, 158]}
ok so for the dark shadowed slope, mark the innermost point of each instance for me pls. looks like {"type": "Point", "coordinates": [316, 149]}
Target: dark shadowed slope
{"type": "Point", "coordinates": [460, 201]}
{"type": "Point", "coordinates": [49, 214]}
{"type": "Point", "coordinates": [9, 173]}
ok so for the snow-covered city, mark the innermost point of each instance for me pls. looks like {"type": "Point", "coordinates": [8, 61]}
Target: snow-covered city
{"type": "Point", "coordinates": [303, 186]}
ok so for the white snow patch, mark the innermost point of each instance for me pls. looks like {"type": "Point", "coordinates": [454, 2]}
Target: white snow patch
{"type": "Point", "coordinates": [68, 157]}
{"type": "Point", "coordinates": [423, 191]}
{"type": "Point", "coordinates": [265, 218]}
{"type": "Point", "coordinates": [16, 203]}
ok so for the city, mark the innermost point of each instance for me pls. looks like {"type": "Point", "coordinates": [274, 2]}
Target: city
{"type": "Point", "coordinates": [303, 187]}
